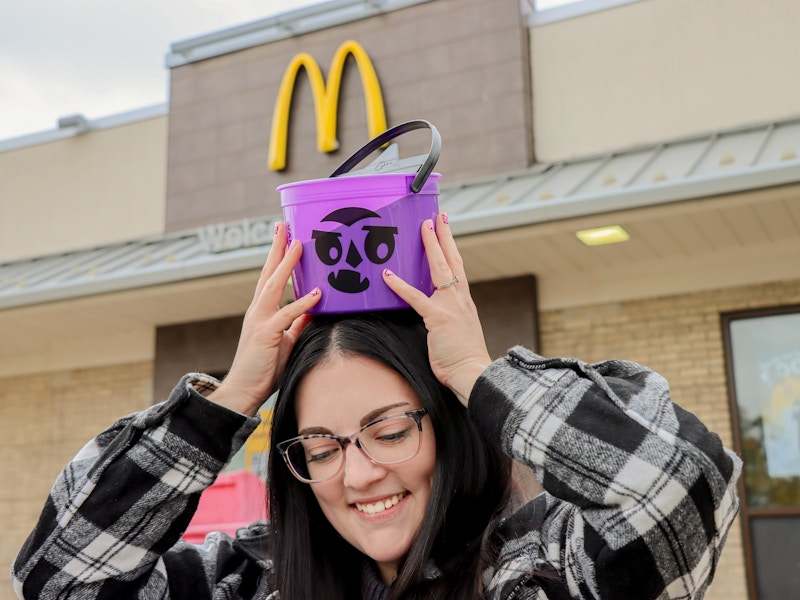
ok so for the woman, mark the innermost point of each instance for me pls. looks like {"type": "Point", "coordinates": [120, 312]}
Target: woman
{"type": "Point", "coordinates": [382, 484]}
{"type": "Point", "coordinates": [425, 484]}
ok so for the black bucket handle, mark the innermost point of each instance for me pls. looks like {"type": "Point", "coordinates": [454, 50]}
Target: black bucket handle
{"type": "Point", "coordinates": [422, 173]}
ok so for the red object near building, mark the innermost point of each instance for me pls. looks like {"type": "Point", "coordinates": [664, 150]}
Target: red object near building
{"type": "Point", "coordinates": [234, 500]}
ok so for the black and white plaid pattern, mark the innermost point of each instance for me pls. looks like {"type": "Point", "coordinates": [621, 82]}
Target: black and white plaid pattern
{"type": "Point", "coordinates": [640, 496]}
{"type": "Point", "coordinates": [127, 497]}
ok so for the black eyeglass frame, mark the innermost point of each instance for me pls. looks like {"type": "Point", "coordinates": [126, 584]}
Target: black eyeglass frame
{"type": "Point", "coordinates": [283, 447]}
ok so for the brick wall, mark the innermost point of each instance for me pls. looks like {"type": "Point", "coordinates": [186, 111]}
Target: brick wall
{"type": "Point", "coordinates": [44, 420]}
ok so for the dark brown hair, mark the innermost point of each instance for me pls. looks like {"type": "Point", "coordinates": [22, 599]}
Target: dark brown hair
{"type": "Point", "coordinates": [470, 487]}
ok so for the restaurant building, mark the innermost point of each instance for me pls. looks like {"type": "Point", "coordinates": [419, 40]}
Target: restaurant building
{"type": "Point", "coordinates": [130, 245]}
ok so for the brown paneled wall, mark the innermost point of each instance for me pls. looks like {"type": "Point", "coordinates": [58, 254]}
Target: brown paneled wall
{"type": "Point", "coordinates": [509, 313]}
{"type": "Point", "coordinates": [462, 64]}
{"type": "Point", "coordinates": [202, 347]}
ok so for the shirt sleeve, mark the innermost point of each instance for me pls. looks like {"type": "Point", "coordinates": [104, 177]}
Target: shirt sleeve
{"type": "Point", "coordinates": [639, 494]}
{"type": "Point", "coordinates": [123, 502]}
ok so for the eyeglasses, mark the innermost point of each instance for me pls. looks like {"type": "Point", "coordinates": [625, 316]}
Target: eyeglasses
{"type": "Point", "coordinates": [387, 441]}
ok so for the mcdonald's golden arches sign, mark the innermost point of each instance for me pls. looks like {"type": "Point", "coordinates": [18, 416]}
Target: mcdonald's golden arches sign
{"type": "Point", "coordinates": [326, 100]}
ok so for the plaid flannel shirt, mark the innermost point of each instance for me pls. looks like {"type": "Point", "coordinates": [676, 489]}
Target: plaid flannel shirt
{"type": "Point", "coordinates": [639, 495]}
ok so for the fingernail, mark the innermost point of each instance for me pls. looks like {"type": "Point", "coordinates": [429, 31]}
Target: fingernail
{"type": "Point", "coordinates": [315, 292]}
{"type": "Point", "coordinates": [429, 224]}
{"type": "Point", "coordinates": [388, 274]}
{"type": "Point", "coordinates": [277, 227]}
{"type": "Point", "coordinates": [293, 246]}
{"type": "Point", "coordinates": [445, 218]}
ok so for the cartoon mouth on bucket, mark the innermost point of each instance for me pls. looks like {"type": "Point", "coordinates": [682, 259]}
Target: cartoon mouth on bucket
{"type": "Point", "coordinates": [377, 245]}
{"type": "Point", "coordinates": [348, 281]}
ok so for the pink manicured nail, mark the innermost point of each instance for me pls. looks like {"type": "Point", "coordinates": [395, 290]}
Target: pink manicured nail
{"type": "Point", "coordinates": [294, 245]}
{"type": "Point", "coordinates": [315, 292]}
{"type": "Point", "coordinates": [277, 227]}
{"type": "Point", "coordinates": [429, 225]}
{"type": "Point", "coordinates": [388, 274]}
{"type": "Point", "coordinates": [445, 218]}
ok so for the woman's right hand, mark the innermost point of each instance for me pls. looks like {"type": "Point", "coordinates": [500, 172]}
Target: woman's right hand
{"type": "Point", "coordinates": [268, 332]}
{"type": "Point", "coordinates": [456, 346]}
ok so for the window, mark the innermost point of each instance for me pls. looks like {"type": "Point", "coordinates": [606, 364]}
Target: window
{"type": "Point", "coordinates": [763, 364]}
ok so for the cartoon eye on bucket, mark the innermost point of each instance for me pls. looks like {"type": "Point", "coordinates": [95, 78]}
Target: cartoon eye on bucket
{"type": "Point", "coordinates": [378, 245]}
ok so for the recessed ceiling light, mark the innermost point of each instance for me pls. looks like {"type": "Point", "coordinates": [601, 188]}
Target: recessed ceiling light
{"type": "Point", "coordinates": [603, 235]}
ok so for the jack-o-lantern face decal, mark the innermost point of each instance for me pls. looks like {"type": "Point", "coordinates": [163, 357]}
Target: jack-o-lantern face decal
{"type": "Point", "coordinates": [376, 242]}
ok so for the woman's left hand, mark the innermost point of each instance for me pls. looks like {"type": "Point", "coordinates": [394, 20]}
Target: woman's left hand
{"type": "Point", "coordinates": [456, 346]}
{"type": "Point", "coordinates": [269, 332]}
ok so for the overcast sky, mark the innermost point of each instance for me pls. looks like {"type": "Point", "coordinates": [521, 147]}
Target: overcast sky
{"type": "Point", "coordinates": [102, 57]}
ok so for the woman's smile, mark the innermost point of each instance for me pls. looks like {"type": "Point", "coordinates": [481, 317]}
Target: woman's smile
{"type": "Point", "coordinates": [380, 506]}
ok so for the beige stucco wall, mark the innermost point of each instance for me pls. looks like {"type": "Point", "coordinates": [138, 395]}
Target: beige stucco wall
{"type": "Point", "coordinates": [97, 188]}
{"type": "Point", "coordinates": [661, 69]}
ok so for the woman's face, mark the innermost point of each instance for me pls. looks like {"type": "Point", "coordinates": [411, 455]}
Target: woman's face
{"type": "Point", "coordinates": [376, 508]}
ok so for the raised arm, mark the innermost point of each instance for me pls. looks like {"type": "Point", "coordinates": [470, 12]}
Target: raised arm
{"type": "Point", "coordinates": [111, 523]}
{"type": "Point", "coordinates": [641, 494]}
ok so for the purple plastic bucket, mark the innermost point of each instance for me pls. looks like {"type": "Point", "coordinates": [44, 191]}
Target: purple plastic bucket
{"type": "Point", "coordinates": [352, 228]}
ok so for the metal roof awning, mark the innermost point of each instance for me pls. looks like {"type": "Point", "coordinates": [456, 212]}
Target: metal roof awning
{"type": "Point", "coordinates": [130, 265]}
{"type": "Point", "coordinates": [712, 165]}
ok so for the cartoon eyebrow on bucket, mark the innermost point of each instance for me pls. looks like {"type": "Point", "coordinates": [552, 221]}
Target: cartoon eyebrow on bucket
{"type": "Point", "coordinates": [378, 246]}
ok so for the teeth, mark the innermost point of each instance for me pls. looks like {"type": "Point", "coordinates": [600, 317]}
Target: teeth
{"type": "Point", "coordinates": [381, 505]}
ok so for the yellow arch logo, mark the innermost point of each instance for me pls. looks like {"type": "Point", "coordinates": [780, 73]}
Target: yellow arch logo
{"type": "Point", "coordinates": [326, 100]}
